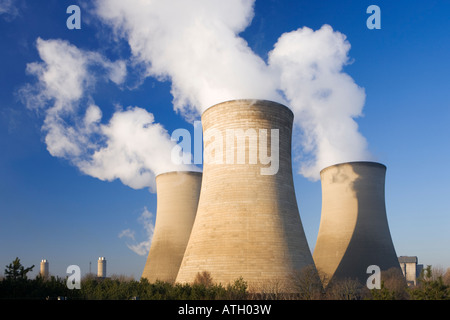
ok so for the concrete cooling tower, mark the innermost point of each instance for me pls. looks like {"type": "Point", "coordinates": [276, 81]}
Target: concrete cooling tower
{"type": "Point", "coordinates": [354, 231]}
{"type": "Point", "coordinates": [247, 222]}
{"type": "Point", "coordinates": [177, 200]}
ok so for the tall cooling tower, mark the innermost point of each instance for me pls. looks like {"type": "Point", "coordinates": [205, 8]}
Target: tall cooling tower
{"type": "Point", "coordinates": [354, 231]}
{"type": "Point", "coordinates": [177, 200]}
{"type": "Point", "coordinates": [247, 222]}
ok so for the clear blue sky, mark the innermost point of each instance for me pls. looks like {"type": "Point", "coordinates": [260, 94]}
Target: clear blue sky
{"type": "Point", "coordinates": [51, 210]}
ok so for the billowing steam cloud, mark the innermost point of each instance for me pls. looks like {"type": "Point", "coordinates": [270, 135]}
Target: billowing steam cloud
{"type": "Point", "coordinates": [131, 147]}
{"type": "Point", "coordinates": [196, 46]}
{"type": "Point", "coordinates": [325, 100]}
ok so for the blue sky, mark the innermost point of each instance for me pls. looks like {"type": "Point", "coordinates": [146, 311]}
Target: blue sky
{"type": "Point", "coordinates": [51, 209]}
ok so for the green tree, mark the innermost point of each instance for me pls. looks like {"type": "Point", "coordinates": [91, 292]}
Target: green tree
{"type": "Point", "coordinates": [237, 290]}
{"type": "Point", "coordinates": [307, 283]}
{"type": "Point", "coordinates": [346, 289]}
{"type": "Point", "coordinates": [430, 287]}
{"type": "Point", "coordinates": [393, 286]}
{"type": "Point", "coordinates": [16, 270]}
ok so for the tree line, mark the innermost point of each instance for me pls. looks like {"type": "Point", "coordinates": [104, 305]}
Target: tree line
{"type": "Point", "coordinates": [433, 284]}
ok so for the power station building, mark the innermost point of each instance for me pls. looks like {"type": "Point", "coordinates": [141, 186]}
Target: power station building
{"type": "Point", "coordinates": [177, 200]}
{"type": "Point", "coordinates": [240, 218]}
{"type": "Point", "coordinates": [354, 232]}
{"type": "Point", "coordinates": [247, 223]}
{"type": "Point", "coordinates": [410, 268]}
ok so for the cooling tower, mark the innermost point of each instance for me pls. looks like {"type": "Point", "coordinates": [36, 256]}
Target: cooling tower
{"type": "Point", "coordinates": [101, 267]}
{"type": "Point", "coordinates": [44, 269]}
{"type": "Point", "coordinates": [177, 200]}
{"type": "Point", "coordinates": [247, 222]}
{"type": "Point", "coordinates": [354, 231]}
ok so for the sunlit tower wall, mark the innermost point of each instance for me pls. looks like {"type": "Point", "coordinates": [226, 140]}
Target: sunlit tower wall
{"type": "Point", "coordinates": [354, 232]}
{"type": "Point", "coordinates": [44, 270]}
{"type": "Point", "coordinates": [248, 223]}
{"type": "Point", "coordinates": [101, 267]}
{"type": "Point", "coordinates": [177, 200]}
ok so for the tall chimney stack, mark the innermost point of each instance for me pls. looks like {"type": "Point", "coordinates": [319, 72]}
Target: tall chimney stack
{"type": "Point", "coordinates": [44, 271]}
{"type": "Point", "coordinates": [101, 272]}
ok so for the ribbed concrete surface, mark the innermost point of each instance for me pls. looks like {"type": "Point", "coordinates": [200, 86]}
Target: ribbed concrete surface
{"type": "Point", "coordinates": [247, 223]}
{"type": "Point", "coordinates": [177, 200]}
{"type": "Point", "coordinates": [354, 231]}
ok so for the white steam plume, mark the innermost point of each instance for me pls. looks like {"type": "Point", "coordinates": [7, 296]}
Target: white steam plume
{"type": "Point", "coordinates": [131, 147]}
{"type": "Point", "coordinates": [195, 45]}
{"type": "Point", "coordinates": [324, 99]}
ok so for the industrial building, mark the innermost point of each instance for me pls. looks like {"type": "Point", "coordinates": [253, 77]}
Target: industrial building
{"type": "Point", "coordinates": [410, 268]}
{"type": "Point", "coordinates": [247, 223]}
{"type": "Point", "coordinates": [44, 269]}
{"type": "Point", "coordinates": [354, 232]}
{"type": "Point", "coordinates": [177, 200]}
{"type": "Point", "coordinates": [240, 218]}
{"type": "Point", "coordinates": [101, 267]}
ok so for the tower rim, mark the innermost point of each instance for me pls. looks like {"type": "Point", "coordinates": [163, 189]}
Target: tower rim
{"type": "Point", "coordinates": [179, 172]}
{"type": "Point", "coordinates": [369, 163]}
{"type": "Point", "coordinates": [255, 101]}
